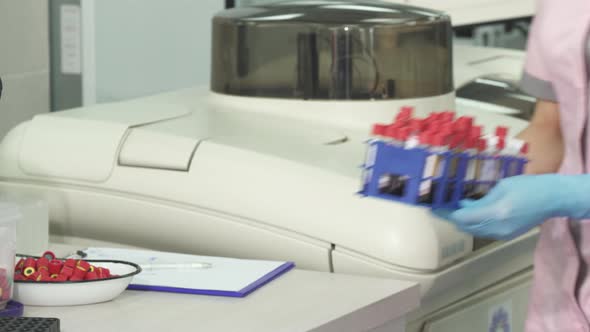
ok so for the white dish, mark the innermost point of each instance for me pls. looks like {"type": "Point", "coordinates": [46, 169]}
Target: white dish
{"type": "Point", "coordinates": [68, 293]}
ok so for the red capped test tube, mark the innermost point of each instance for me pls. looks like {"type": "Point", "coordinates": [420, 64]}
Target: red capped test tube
{"type": "Point", "coordinates": [29, 267]}
{"type": "Point", "coordinates": [55, 266]}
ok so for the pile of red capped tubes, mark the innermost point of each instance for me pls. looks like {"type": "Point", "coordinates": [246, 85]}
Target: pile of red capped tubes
{"type": "Point", "coordinates": [442, 129]}
{"type": "Point", "coordinates": [49, 269]}
{"type": "Point", "coordinates": [5, 285]}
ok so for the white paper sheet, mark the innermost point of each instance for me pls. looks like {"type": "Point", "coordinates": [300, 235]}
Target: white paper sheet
{"type": "Point", "coordinates": [225, 274]}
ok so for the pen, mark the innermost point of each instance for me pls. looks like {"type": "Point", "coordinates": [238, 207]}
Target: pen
{"type": "Point", "coordinates": [154, 266]}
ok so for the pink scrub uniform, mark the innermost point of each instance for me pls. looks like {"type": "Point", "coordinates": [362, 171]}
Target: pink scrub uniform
{"type": "Point", "coordinates": [556, 69]}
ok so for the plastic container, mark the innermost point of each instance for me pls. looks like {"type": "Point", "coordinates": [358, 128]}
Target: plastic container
{"type": "Point", "coordinates": [32, 231]}
{"type": "Point", "coordinates": [9, 216]}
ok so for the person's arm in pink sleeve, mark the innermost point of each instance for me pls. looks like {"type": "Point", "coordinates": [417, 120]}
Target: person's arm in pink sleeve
{"type": "Point", "coordinates": [519, 203]}
{"type": "Point", "coordinates": [544, 136]}
{"type": "Point", "coordinates": [544, 131]}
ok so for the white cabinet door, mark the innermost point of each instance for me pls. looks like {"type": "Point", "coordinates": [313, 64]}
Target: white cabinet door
{"type": "Point", "coordinates": [501, 308]}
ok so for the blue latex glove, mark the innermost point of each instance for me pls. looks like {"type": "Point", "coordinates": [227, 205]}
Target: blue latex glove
{"type": "Point", "coordinates": [519, 203]}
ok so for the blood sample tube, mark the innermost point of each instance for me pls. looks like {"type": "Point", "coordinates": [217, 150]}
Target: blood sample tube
{"type": "Point", "coordinates": [471, 149]}
{"type": "Point", "coordinates": [428, 141]}
{"type": "Point", "coordinates": [415, 128]}
{"type": "Point", "coordinates": [438, 147]}
{"type": "Point", "coordinates": [457, 144]}
{"type": "Point", "coordinates": [472, 190]}
{"type": "Point", "coordinates": [489, 166]}
{"type": "Point", "coordinates": [501, 153]}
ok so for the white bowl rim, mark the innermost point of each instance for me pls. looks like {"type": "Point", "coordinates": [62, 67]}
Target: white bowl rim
{"type": "Point", "coordinates": [130, 274]}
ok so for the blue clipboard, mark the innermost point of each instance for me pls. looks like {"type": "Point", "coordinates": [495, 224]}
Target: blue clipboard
{"type": "Point", "coordinates": [231, 277]}
{"type": "Point", "coordinates": [241, 293]}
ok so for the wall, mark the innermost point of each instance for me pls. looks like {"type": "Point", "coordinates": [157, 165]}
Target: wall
{"type": "Point", "coordinates": [149, 46]}
{"type": "Point", "coordinates": [24, 61]}
{"type": "Point", "coordinates": [133, 48]}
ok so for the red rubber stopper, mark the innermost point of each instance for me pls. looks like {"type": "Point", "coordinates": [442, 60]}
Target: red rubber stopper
{"type": "Point", "coordinates": [476, 131]}
{"type": "Point", "coordinates": [501, 131]}
{"type": "Point", "coordinates": [405, 111]}
{"type": "Point", "coordinates": [403, 133]}
{"type": "Point", "coordinates": [44, 273]}
{"type": "Point", "coordinates": [42, 263]}
{"type": "Point", "coordinates": [35, 276]}
{"type": "Point", "coordinates": [67, 271]}
{"type": "Point", "coordinates": [75, 278]}
{"type": "Point", "coordinates": [55, 266]}
{"type": "Point", "coordinates": [449, 116]}
{"type": "Point", "coordinates": [61, 278]}
{"type": "Point", "coordinates": [416, 126]}
{"type": "Point", "coordinates": [391, 131]}
{"type": "Point", "coordinates": [91, 276]}
{"type": "Point", "coordinates": [379, 129]}
{"type": "Point", "coordinates": [28, 271]}
{"type": "Point", "coordinates": [79, 272]}
{"type": "Point", "coordinates": [20, 265]}
{"type": "Point", "coordinates": [435, 126]}
{"type": "Point", "coordinates": [434, 117]}
{"type": "Point", "coordinates": [30, 262]}
{"type": "Point", "coordinates": [501, 143]}
{"type": "Point", "coordinates": [438, 140]}
{"type": "Point", "coordinates": [464, 123]}
{"type": "Point", "coordinates": [446, 128]}
{"type": "Point", "coordinates": [70, 262]}
{"type": "Point", "coordinates": [458, 141]}
{"type": "Point", "coordinates": [46, 277]}
{"type": "Point", "coordinates": [482, 145]}
{"type": "Point", "coordinates": [84, 265]}
{"type": "Point", "coordinates": [426, 138]}
{"type": "Point", "coordinates": [49, 255]}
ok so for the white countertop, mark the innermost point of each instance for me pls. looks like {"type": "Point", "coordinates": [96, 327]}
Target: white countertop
{"type": "Point", "coordinates": [297, 301]}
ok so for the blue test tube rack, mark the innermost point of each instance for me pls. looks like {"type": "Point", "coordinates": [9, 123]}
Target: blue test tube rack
{"type": "Point", "coordinates": [406, 166]}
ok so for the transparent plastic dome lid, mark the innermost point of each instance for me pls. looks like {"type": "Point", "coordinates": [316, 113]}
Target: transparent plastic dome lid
{"type": "Point", "coordinates": [332, 50]}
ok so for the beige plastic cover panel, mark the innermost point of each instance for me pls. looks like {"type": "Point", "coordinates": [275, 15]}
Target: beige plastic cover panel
{"type": "Point", "coordinates": [145, 148]}
{"type": "Point", "coordinates": [82, 144]}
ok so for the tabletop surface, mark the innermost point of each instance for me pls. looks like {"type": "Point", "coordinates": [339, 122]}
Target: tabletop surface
{"type": "Point", "coordinates": [297, 301]}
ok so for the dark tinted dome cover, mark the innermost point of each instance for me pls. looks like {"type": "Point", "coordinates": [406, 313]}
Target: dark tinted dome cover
{"type": "Point", "coordinates": [310, 49]}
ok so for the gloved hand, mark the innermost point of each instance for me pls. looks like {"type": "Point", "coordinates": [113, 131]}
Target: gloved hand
{"type": "Point", "coordinates": [519, 203]}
